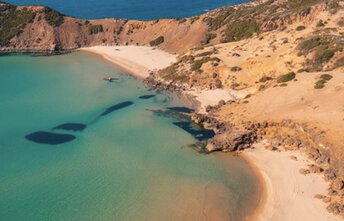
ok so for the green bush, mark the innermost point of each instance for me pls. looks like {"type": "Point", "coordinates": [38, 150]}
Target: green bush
{"type": "Point", "coordinates": [207, 53]}
{"type": "Point", "coordinates": [339, 63]}
{"type": "Point", "coordinates": [95, 29]}
{"type": "Point", "coordinates": [323, 56]}
{"type": "Point", "coordinates": [157, 41]}
{"type": "Point", "coordinates": [196, 66]}
{"type": "Point", "coordinates": [240, 30]}
{"type": "Point", "coordinates": [287, 77]}
{"type": "Point", "coordinates": [320, 84]}
{"type": "Point", "coordinates": [307, 45]}
{"type": "Point", "coordinates": [265, 79]}
{"type": "Point", "coordinates": [53, 17]}
{"type": "Point", "coordinates": [326, 77]}
{"type": "Point", "coordinates": [300, 28]}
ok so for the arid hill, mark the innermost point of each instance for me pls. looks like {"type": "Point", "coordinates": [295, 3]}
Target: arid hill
{"type": "Point", "coordinates": [41, 29]}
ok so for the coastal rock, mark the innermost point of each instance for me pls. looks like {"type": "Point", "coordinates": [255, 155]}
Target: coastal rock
{"type": "Point", "coordinates": [323, 159]}
{"type": "Point", "coordinates": [329, 174]}
{"type": "Point", "coordinates": [335, 208]}
{"type": "Point", "coordinates": [337, 185]}
{"type": "Point", "coordinates": [233, 141]}
{"type": "Point", "coordinates": [304, 171]}
{"type": "Point", "coordinates": [315, 169]}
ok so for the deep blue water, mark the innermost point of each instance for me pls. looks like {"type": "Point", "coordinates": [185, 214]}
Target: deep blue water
{"type": "Point", "coordinates": [131, 9]}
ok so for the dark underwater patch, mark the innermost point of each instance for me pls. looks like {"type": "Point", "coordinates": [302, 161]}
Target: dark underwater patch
{"type": "Point", "coordinates": [71, 127]}
{"type": "Point", "coordinates": [43, 137]}
{"type": "Point", "coordinates": [196, 131]}
{"type": "Point", "coordinates": [171, 114]}
{"type": "Point", "coordinates": [182, 109]}
{"type": "Point", "coordinates": [146, 97]}
{"type": "Point", "coordinates": [116, 107]}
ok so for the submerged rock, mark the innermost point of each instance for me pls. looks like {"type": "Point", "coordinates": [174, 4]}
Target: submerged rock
{"type": "Point", "coordinates": [43, 137]}
{"type": "Point", "coordinates": [71, 127]}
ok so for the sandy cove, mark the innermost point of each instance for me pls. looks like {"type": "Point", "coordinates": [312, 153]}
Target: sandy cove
{"type": "Point", "coordinates": [137, 60]}
{"type": "Point", "coordinates": [287, 194]}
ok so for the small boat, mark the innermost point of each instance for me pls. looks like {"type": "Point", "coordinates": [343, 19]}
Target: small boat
{"type": "Point", "coordinates": [110, 79]}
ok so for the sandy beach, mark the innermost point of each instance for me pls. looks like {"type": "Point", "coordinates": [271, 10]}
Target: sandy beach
{"type": "Point", "coordinates": [289, 195]}
{"type": "Point", "coordinates": [137, 60]}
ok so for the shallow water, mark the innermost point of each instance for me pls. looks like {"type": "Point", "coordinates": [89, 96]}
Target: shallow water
{"type": "Point", "coordinates": [125, 162]}
{"type": "Point", "coordinates": [130, 9]}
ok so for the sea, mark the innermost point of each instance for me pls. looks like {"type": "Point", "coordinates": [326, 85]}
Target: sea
{"type": "Point", "coordinates": [130, 9]}
{"type": "Point", "coordinates": [74, 146]}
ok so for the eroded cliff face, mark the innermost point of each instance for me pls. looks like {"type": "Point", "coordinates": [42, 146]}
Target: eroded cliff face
{"type": "Point", "coordinates": [47, 31]}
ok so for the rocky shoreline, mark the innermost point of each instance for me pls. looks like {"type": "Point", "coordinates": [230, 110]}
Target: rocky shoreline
{"type": "Point", "coordinates": [285, 135]}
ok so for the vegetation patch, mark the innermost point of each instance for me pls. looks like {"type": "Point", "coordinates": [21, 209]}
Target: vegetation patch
{"type": "Point", "coordinates": [300, 28]}
{"type": "Point", "coordinates": [322, 48]}
{"type": "Point", "coordinates": [323, 56]}
{"type": "Point", "coordinates": [339, 63]}
{"type": "Point", "coordinates": [307, 45]}
{"type": "Point", "coordinates": [171, 73]}
{"type": "Point", "coordinates": [320, 84]}
{"type": "Point", "coordinates": [286, 77]}
{"type": "Point", "coordinates": [95, 29]}
{"type": "Point", "coordinates": [324, 78]}
{"type": "Point", "coordinates": [13, 21]}
{"type": "Point", "coordinates": [196, 66]}
{"type": "Point", "coordinates": [240, 30]}
{"type": "Point", "coordinates": [207, 53]}
{"type": "Point", "coordinates": [265, 79]}
{"type": "Point", "coordinates": [53, 17]}
{"type": "Point", "coordinates": [159, 40]}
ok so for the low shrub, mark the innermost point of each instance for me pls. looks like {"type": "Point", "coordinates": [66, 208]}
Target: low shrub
{"type": "Point", "coordinates": [287, 77]}
{"type": "Point", "coordinates": [265, 79]}
{"type": "Point", "coordinates": [235, 69]}
{"type": "Point", "coordinates": [339, 63]}
{"type": "Point", "coordinates": [326, 77]}
{"type": "Point", "coordinates": [196, 66]}
{"type": "Point", "coordinates": [323, 56]}
{"type": "Point", "coordinates": [300, 28]}
{"type": "Point", "coordinates": [240, 30]}
{"type": "Point", "coordinates": [207, 53]}
{"type": "Point", "coordinates": [95, 29]}
{"type": "Point", "coordinates": [53, 17]}
{"type": "Point", "coordinates": [309, 44]}
{"type": "Point", "coordinates": [320, 84]}
{"type": "Point", "coordinates": [159, 40]}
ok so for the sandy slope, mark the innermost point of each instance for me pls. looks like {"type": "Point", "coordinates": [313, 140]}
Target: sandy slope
{"type": "Point", "coordinates": [138, 60]}
{"type": "Point", "coordinates": [289, 194]}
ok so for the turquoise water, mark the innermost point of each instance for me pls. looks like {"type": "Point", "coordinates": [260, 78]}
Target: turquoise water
{"type": "Point", "coordinates": [127, 164]}
{"type": "Point", "coordinates": [131, 9]}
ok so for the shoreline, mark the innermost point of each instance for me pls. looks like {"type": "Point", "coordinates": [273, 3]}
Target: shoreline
{"type": "Point", "coordinates": [281, 200]}
{"type": "Point", "coordinates": [270, 183]}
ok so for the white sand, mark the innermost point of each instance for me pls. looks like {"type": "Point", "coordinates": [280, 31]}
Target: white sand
{"type": "Point", "coordinates": [138, 60]}
{"type": "Point", "coordinates": [289, 194]}
{"type": "Point", "coordinates": [212, 97]}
